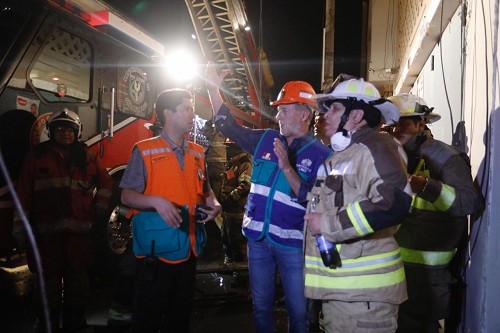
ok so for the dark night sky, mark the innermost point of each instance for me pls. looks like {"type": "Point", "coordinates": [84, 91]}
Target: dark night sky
{"type": "Point", "coordinates": [292, 32]}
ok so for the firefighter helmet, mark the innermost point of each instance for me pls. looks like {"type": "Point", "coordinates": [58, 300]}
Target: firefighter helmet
{"type": "Point", "coordinates": [410, 105]}
{"type": "Point", "coordinates": [66, 118]}
{"type": "Point", "coordinates": [296, 92]}
{"type": "Point", "coordinates": [363, 91]}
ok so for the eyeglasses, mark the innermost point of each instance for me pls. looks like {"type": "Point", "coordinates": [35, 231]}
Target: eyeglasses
{"type": "Point", "coordinates": [325, 106]}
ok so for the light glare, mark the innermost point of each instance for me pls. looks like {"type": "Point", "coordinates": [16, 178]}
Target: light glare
{"type": "Point", "coordinates": [181, 66]}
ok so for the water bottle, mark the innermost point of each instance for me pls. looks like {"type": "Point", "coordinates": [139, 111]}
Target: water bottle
{"type": "Point", "coordinates": [328, 251]}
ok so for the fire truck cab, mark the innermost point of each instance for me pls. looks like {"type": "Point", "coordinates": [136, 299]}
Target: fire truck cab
{"type": "Point", "coordinates": [80, 55]}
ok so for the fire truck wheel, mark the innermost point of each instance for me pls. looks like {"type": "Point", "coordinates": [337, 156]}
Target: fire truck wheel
{"type": "Point", "coordinates": [119, 229]}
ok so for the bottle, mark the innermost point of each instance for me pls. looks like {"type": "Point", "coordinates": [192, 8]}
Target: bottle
{"type": "Point", "coordinates": [329, 253]}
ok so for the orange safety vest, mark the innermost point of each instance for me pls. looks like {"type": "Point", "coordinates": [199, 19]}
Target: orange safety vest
{"type": "Point", "coordinates": [181, 187]}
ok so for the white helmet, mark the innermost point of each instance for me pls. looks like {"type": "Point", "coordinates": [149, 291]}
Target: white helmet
{"type": "Point", "coordinates": [411, 105]}
{"type": "Point", "coordinates": [362, 91]}
{"type": "Point", "coordinates": [65, 118]}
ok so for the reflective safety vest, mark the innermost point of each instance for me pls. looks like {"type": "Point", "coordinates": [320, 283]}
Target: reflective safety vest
{"type": "Point", "coordinates": [272, 209]}
{"type": "Point", "coordinates": [184, 188]}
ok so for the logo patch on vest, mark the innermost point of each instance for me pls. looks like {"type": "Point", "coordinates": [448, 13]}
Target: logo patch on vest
{"type": "Point", "coordinates": [305, 165]}
{"type": "Point", "coordinates": [159, 158]}
{"type": "Point", "coordinates": [266, 156]}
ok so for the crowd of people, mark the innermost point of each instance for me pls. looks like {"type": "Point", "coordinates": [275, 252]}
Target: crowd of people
{"type": "Point", "coordinates": [393, 207]}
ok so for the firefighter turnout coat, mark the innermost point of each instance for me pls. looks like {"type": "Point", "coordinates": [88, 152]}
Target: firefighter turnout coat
{"type": "Point", "coordinates": [432, 232]}
{"type": "Point", "coordinates": [235, 184]}
{"type": "Point", "coordinates": [362, 200]}
{"type": "Point", "coordinates": [59, 197]}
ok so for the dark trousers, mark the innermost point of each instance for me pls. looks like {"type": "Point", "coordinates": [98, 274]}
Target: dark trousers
{"type": "Point", "coordinates": [428, 300]}
{"type": "Point", "coordinates": [65, 258]}
{"type": "Point", "coordinates": [233, 241]}
{"type": "Point", "coordinates": [165, 303]}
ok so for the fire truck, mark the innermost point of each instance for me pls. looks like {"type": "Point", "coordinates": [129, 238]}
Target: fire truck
{"type": "Point", "coordinates": [89, 58]}
{"type": "Point", "coordinates": [79, 55]}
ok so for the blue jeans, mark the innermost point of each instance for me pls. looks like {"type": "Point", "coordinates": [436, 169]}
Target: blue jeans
{"type": "Point", "coordinates": [263, 259]}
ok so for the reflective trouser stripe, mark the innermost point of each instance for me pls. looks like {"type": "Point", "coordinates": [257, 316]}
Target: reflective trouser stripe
{"type": "Point", "coordinates": [357, 281]}
{"type": "Point", "coordinates": [431, 258]}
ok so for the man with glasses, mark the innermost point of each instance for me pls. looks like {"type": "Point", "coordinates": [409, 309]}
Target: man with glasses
{"type": "Point", "coordinates": [285, 163]}
{"type": "Point", "coordinates": [356, 204]}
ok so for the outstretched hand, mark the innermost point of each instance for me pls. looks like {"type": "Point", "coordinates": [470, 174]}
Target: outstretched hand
{"type": "Point", "coordinates": [212, 76]}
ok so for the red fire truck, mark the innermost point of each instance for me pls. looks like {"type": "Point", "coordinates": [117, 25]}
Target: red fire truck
{"type": "Point", "coordinates": [80, 55]}
{"type": "Point", "coordinates": [85, 56]}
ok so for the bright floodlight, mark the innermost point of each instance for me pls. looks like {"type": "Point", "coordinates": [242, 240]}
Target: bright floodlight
{"type": "Point", "coordinates": [181, 66]}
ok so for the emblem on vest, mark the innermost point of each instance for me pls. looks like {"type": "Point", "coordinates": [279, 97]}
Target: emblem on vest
{"type": "Point", "coordinates": [266, 156]}
{"type": "Point", "coordinates": [305, 165]}
{"type": "Point", "coordinates": [158, 158]}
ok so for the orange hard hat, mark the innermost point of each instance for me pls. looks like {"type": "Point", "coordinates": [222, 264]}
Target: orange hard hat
{"type": "Point", "coordinates": [295, 92]}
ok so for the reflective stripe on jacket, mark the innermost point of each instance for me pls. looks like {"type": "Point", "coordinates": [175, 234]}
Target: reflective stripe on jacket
{"type": "Point", "coordinates": [58, 197]}
{"type": "Point", "coordinates": [181, 187]}
{"type": "Point", "coordinates": [272, 209]}
{"type": "Point", "coordinates": [438, 219]}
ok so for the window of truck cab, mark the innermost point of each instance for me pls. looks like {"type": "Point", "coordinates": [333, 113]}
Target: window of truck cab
{"type": "Point", "coordinates": [62, 70]}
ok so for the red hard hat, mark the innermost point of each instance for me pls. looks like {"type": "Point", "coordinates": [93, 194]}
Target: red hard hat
{"type": "Point", "coordinates": [295, 92]}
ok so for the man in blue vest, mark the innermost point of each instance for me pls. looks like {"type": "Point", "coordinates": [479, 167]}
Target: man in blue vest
{"type": "Point", "coordinates": [285, 164]}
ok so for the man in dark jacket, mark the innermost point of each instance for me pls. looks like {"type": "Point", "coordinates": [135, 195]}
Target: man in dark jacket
{"type": "Point", "coordinates": [443, 196]}
{"type": "Point", "coordinates": [56, 188]}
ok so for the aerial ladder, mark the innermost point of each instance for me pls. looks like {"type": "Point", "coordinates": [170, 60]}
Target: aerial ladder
{"type": "Point", "coordinates": [225, 38]}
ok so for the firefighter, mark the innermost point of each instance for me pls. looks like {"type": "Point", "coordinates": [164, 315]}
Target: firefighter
{"type": "Point", "coordinates": [235, 185]}
{"type": "Point", "coordinates": [215, 156]}
{"type": "Point", "coordinates": [444, 194]}
{"type": "Point", "coordinates": [357, 202]}
{"type": "Point", "coordinates": [56, 188]}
